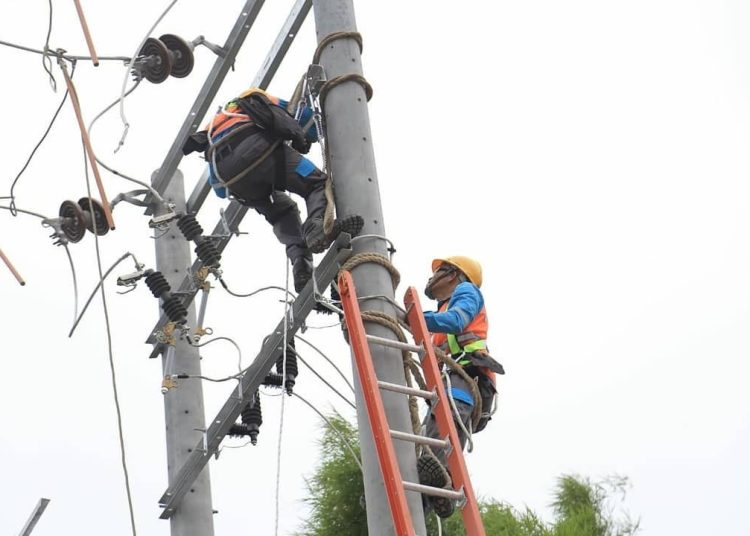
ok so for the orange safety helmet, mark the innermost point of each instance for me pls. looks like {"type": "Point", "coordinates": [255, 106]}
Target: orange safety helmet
{"type": "Point", "coordinates": [471, 268]}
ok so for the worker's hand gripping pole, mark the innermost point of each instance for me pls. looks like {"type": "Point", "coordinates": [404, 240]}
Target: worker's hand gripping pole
{"type": "Point", "coordinates": [87, 143]}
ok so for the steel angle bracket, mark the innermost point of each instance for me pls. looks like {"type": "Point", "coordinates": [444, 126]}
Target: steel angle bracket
{"type": "Point", "coordinates": [325, 274]}
{"type": "Point", "coordinates": [188, 289]}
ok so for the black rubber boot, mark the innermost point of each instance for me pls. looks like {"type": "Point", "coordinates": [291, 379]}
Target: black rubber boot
{"type": "Point", "coordinates": [432, 473]}
{"type": "Point", "coordinates": [318, 242]}
{"type": "Point", "coordinates": [302, 269]}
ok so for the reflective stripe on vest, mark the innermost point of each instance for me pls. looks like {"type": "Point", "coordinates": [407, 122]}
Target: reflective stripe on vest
{"type": "Point", "coordinates": [471, 339]}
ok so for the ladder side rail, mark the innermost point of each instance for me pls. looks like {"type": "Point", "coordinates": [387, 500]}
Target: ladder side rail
{"type": "Point", "coordinates": [442, 412]}
{"type": "Point", "coordinates": [386, 453]}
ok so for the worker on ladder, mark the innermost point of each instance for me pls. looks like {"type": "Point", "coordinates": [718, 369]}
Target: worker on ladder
{"type": "Point", "coordinates": [248, 160]}
{"type": "Point", "coordinates": [459, 328]}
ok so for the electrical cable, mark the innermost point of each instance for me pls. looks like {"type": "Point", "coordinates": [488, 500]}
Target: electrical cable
{"type": "Point", "coordinates": [64, 56]}
{"type": "Point", "coordinates": [338, 432]}
{"type": "Point", "coordinates": [75, 283]}
{"type": "Point", "coordinates": [24, 212]}
{"type": "Point", "coordinates": [36, 147]}
{"type": "Point", "coordinates": [326, 382]}
{"type": "Point", "coordinates": [111, 356]}
{"type": "Point", "coordinates": [153, 191]}
{"type": "Point", "coordinates": [70, 258]}
{"type": "Point", "coordinates": [329, 326]}
{"type": "Point", "coordinates": [101, 280]}
{"type": "Point", "coordinates": [327, 359]}
{"type": "Point", "coordinates": [46, 61]}
{"type": "Point", "coordinates": [127, 73]}
{"type": "Point", "coordinates": [239, 352]}
{"type": "Point", "coordinates": [253, 293]}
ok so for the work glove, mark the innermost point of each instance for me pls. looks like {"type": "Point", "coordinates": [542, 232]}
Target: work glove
{"type": "Point", "coordinates": [301, 144]}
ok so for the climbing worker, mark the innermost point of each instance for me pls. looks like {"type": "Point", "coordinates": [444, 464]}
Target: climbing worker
{"type": "Point", "coordinates": [249, 161]}
{"type": "Point", "coordinates": [459, 328]}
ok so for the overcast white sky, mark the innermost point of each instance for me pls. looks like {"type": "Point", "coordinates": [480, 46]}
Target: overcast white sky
{"type": "Point", "coordinates": [593, 155]}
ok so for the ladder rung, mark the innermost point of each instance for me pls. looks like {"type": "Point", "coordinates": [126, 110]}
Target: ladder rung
{"type": "Point", "coordinates": [435, 492]}
{"type": "Point", "coordinates": [396, 344]}
{"type": "Point", "coordinates": [422, 440]}
{"type": "Point", "coordinates": [396, 388]}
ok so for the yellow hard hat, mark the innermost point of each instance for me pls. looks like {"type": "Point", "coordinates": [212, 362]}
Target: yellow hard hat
{"type": "Point", "coordinates": [471, 268]}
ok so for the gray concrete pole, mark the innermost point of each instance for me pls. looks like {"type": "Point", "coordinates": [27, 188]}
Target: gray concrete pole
{"type": "Point", "coordinates": [352, 162]}
{"type": "Point", "coordinates": [183, 406]}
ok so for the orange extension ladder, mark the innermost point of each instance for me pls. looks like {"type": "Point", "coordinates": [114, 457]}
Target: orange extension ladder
{"type": "Point", "coordinates": [395, 486]}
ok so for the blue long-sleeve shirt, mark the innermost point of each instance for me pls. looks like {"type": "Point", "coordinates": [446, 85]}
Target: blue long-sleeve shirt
{"type": "Point", "coordinates": [463, 305]}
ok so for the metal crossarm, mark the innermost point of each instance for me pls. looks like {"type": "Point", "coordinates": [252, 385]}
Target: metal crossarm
{"type": "Point", "coordinates": [325, 273]}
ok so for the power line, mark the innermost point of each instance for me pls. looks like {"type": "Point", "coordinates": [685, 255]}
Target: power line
{"type": "Point", "coordinates": [327, 359]}
{"type": "Point", "coordinates": [326, 382]}
{"type": "Point", "coordinates": [46, 61]}
{"type": "Point", "coordinates": [99, 283]}
{"type": "Point", "coordinates": [111, 356]}
{"type": "Point", "coordinates": [36, 147]}
{"type": "Point", "coordinates": [63, 55]}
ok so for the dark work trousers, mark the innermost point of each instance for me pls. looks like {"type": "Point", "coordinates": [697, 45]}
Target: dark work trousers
{"type": "Point", "coordinates": [464, 411]}
{"type": "Point", "coordinates": [263, 189]}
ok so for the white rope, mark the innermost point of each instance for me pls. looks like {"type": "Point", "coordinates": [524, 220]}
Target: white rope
{"type": "Point", "coordinates": [283, 399]}
{"type": "Point", "coordinates": [469, 441]}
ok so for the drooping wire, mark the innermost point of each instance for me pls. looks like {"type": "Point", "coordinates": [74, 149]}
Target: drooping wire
{"type": "Point", "coordinates": [99, 284]}
{"type": "Point", "coordinates": [36, 147]}
{"type": "Point", "coordinates": [46, 61]}
{"type": "Point", "coordinates": [127, 74]}
{"type": "Point", "coordinates": [153, 191]}
{"type": "Point", "coordinates": [75, 283]}
{"type": "Point", "coordinates": [327, 359]}
{"type": "Point", "coordinates": [336, 430]}
{"type": "Point", "coordinates": [109, 348]}
{"type": "Point", "coordinates": [331, 387]}
{"type": "Point", "coordinates": [239, 358]}
{"type": "Point", "coordinates": [253, 293]}
{"type": "Point", "coordinates": [70, 258]}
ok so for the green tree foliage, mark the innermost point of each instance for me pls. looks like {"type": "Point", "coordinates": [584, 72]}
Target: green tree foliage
{"type": "Point", "coordinates": [581, 507]}
{"type": "Point", "coordinates": [336, 489]}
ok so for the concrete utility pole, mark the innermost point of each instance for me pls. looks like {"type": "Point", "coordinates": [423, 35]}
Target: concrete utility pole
{"type": "Point", "coordinates": [352, 162]}
{"type": "Point", "coordinates": [183, 406]}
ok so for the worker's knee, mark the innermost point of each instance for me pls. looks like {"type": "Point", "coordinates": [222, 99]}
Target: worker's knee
{"type": "Point", "coordinates": [278, 206]}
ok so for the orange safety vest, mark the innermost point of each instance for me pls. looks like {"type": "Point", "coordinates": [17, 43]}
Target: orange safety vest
{"type": "Point", "coordinates": [231, 114]}
{"type": "Point", "coordinates": [473, 338]}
